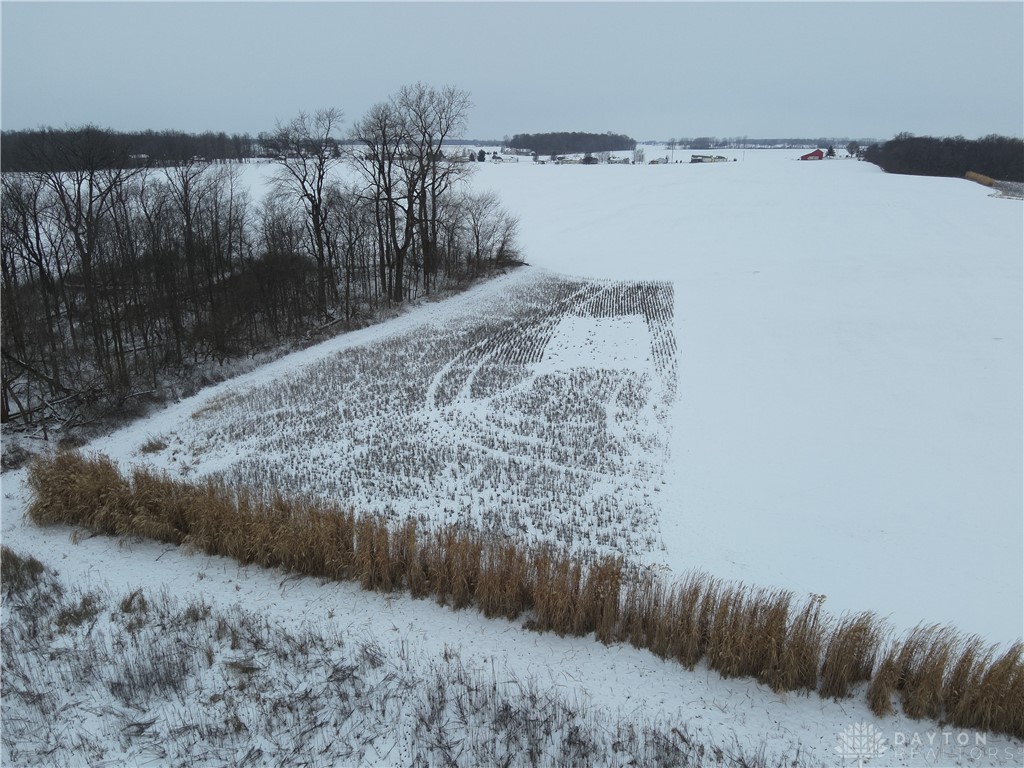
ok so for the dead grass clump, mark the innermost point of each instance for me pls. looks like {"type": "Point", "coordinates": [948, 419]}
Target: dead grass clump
{"type": "Point", "coordinates": [556, 580]}
{"type": "Point", "coordinates": [801, 653]}
{"type": "Point", "coordinates": [159, 507]}
{"type": "Point", "coordinates": [766, 646]}
{"type": "Point", "coordinates": [254, 540]}
{"type": "Point", "coordinates": [921, 664]}
{"type": "Point", "coordinates": [667, 626]}
{"type": "Point", "coordinates": [754, 633]}
{"type": "Point", "coordinates": [943, 676]}
{"type": "Point", "coordinates": [938, 674]}
{"type": "Point", "coordinates": [642, 609]}
{"type": "Point", "coordinates": [72, 489]}
{"type": "Point", "coordinates": [297, 546]}
{"type": "Point", "coordinates": [153, 445]}
{"type": "Point", "coordinates": [213, 513]}
{"type": "Point", "coordinates": [690, 603]}
{"type": "Point", "coordinates": [724, 638]}
{"type": "Point", "coordinates": [134, 602]}
{"type": "Point", "coordinates": [986, 691]}
{"type": "Point", "coordinates": [964, 679]}
{"type": "Point", "coordinates": [503, 586]}
{"type": "Point", "coordinates": [883, 684]}
{"type": "Point", "coordinates": [14, 456]}
{"type": "Point", "coordinates": [305, 537]}
{"type": "Point", "coordinates": [410, 561]}
{"type": "Point", "coordinates": [373, 556]}
{"type": "Point", "coordinates": [850, 654]}
{"type": "Point", "coordinates": [682, 620]}
{"type": "Point", "coordinates": [76, 614]}
{"type": "Point", "coordinates": [460, 557]}
{"type": "Point", "coordinates": [336, 530]}
{"type": "Point", "coordinates": [747, 633]}
{"type": "Point", "coordinates": [597, 608]}
{"type": "Point", "coordinates": [18, 572]}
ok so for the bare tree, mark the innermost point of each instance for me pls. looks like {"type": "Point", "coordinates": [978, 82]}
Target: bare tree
{"type": "Point", "coordinates": [85, 174]}
{"type": "Point", "coordinates": [432, 117]}
{"type": "Point", "coordinates": [401, 156]}
{"type": "Point", "coordinates": [490, 229]}
{"type": "Point", "coordinates": [32, 351]}
{"type": "Point", "coordinates": [352, 240]}
{"type": "Point", "coordinates": [306, 150]}
{"type": "Point", "coordinates": [391, 184]}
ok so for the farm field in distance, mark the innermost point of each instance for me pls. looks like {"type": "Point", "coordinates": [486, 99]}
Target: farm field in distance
{"type": "Point", "coordinates": [799, 375]}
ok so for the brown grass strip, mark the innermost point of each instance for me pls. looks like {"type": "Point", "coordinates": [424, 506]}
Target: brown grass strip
{"type": "Point", "coordinates": [980, 178]}
{"type": "Point", "coordinates": [739, 630]}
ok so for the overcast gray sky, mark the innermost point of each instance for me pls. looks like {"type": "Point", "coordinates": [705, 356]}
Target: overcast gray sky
{"type": "Point", "coordinates": [651, 70]}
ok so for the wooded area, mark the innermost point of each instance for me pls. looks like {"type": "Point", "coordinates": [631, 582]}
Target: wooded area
{"type": "Point", "coordinates": [19, 150]}
{"type": "Point", "coordinates": [570, 143]}
{"type": "Point", "coordinates": [1000, 157]}
{"type": "Point", "coordinates": [117, 278]}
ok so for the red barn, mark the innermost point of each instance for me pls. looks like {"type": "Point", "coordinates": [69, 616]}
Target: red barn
{"type": "Point", "coordinates": [815, 155]}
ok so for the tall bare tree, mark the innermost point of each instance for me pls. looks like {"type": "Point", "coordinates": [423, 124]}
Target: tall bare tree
{"type": "Point", "coordinates": [85, 172]}
{"type": "Point", "coordinates": [432, 117]}
{"type": "Point", "coordinates": [391, 183]}
{"type": "Point", "coordinates": [306, 149]}
{"type": "Point", "coordinates": [490, 229]}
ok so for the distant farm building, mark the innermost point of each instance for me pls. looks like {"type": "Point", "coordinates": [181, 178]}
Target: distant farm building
{"type": "Point", "coordinates": [817, 154]}
{"type": "Point", "coordinates": [708, 159]}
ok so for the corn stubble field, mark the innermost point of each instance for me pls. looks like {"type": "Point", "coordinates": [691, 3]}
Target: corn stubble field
{"type": "Point", "coordinates": [497, 423]}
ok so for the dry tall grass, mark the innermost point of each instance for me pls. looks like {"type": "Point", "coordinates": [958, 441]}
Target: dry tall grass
{"type": "Point", "coordinates": [938, 673]}
{"type": "Point", "coordinates": [850, 654]}
{"type": "Point", "coordinates": [740, 631]}
{"type": "Point", "coordinates": [503, 587]}
{"type": "Point", "coordinates": [980, 178]}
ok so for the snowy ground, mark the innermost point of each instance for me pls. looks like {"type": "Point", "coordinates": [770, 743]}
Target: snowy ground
{"type": "Point", "coordinates": [846, 420]}
{"type": "Point", "coordinates": [849, 409]}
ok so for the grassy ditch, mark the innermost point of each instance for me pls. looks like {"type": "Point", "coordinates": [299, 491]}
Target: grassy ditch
{"type": "Point", "coordinates": [739, 630]}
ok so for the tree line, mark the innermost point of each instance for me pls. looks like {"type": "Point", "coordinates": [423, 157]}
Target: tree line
{"type": "Point", "coordinates": [571, 143]}
{"type": "Point", "coordinates": [117, 279]}
{"type": "Point", "coordinates": [999, 157]}
{"type": "Point", "coordinates": [745, 142]}
{"type": "Point", "coordinates": [19, 150]}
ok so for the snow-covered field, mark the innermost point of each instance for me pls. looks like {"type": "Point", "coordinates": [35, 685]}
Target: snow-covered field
{"type": "Point", "coordinates": [801, 375]}
{"type": "Point", "coordinates": [850, 380]}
